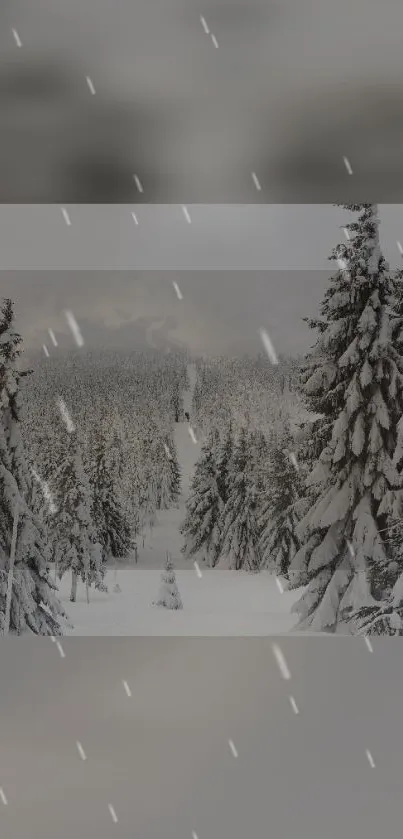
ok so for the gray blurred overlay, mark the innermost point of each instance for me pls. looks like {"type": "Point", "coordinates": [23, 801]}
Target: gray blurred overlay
{"type": "Point", "coordinates": [292, 88]}
{"type": "Point", "coordinates": [161, 757]}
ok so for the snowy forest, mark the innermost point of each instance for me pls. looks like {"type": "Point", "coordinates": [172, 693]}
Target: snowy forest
{"type": "Point", "coordinates": [297, 471]}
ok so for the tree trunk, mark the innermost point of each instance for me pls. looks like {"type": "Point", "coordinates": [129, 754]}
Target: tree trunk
{"type": "Point", "coordinates": [73, 593]}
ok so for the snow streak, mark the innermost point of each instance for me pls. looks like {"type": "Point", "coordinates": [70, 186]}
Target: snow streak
{"type": "Point", "coordinates": [74, 327]}
{"type": "Point", "coordinates": [113, 813]}
{"type": "Point", "coordinates": [192, 434]}
{"type": "Point", "coordinates": [178, 291]}
{"type": "Point", "coordinates": [81, 751]}
{"type": "Point", "coordinates": [268, 345]}
{"type": "Point", "coordinates": [66, 416]}
{"type": "Point", "coordinates": [52, 337]}
{"type": "Point", "coordinates": [127, 689]}
{"type": "Point", "coordinates": [282, 664]}
{"type": "Point", "coordinates": [294, 705]}
{"type": "Point", "coordinates": [46, 492]}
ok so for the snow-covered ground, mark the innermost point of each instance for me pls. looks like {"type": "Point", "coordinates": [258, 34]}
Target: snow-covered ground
{"type": "Point", "coordinates": [221, 603]}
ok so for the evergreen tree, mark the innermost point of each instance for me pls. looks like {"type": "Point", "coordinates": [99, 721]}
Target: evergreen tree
{"type": "Point", "coordinates": [148, 475]}
{"type": "Point", "coordinates": [260, 467]}
{"type": "Point", "coordinates": [109, 516]}
{"type": "Point", "coordinates": [177, 398]}
{"type": "Point", "coordinates": [201, 527]}
{"type": "Point", "coordinates": [357, 382]}
{"type": "Point", "coordinates": [197, 398]}
{"type": "Point", "coordinates": [169, 596]}
{"type": "Point", "coordinates": [148, 505]}
{"type": "Point", "coordinates": [224, 459]}
{"type": "Point", "coordinates": [239, 525]}
{"type": "Point", "coordinates": [164, 456]}
{"type": "Point", "coordinates": [386, 617]}
{"type": "Point", "coordinates": [279, 542]}
{"type": "Point", "coordinates": [175, 477]}
{"type": "Point", "coordinates": [34, 605]}
{"type": "Point", "coordinates": [78, 548]}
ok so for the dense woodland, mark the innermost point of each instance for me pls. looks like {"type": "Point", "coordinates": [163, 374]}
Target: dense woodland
{"type": "Point", "coordinates": [300, 471]}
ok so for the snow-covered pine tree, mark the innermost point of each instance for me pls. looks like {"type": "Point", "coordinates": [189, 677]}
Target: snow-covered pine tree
{"type": "Point", "coordinates": [175, 472]}
{"type": "Point", "coordinates": [79, 550]}
{"type": "Point", "coordinates": [163, 473]}
{"type": "Point", "coordinates": [109, 517]}
{"type": "Point", "coordinates": [34, 604]}
{"type": "Point", "coordinates": [357, 381]}
{"type": "Point", "coordinates": [169, 597]}
{"type": "Point", "coordinates": [131, 480]}
{"type": "Point", "coordinates": [386, 617]}
{"type": "Point", "coordinates": [225, 450]}
{"type": "Point", "coordinates": [197, 397]}
{"type": "Point", "coordinates": [239, 523]}
{"type": "Point", "coordinates": [204, 507]}
{"type": "Point", "coordinates": [260, 464]}
{"type": "Point", "coordinates": [279, 542]}
{"type": "Point", "coordinates": [148, 510]}
{"type": "Point", "coordinates": [148, 475]}
{"type": "Point", "coordinates": [177, 398]}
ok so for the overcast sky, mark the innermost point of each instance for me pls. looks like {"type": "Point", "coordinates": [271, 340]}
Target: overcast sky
{"type": "Point", "coordinates": [221, 311]}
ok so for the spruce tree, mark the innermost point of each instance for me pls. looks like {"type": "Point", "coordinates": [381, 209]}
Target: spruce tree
{"type": "Point", "coordinates": [109, 516]}
{"type": "Point", "coordinates": [169, 597]}
{"type": "Point", "coordinates": [224, 457]}
{"type": "Point", "coordinates": [279, 542]}
{"type": "Point", "coordinates": [175, 472]}
{"type": "Point", "coordinates": [34, 604]}
{"type": "Point", "coordinates": [148, 476]}
{"type": "Point", "coordinates": [357, 382]}
{"type": "Point", "coordinates": [239, 524]}
{"type": "Point", "coordinates": [78, 548]}
{"type": "Point", "coordinates": [201, 527]}
{"type": "Point", "coordinates": [148, 508]}
{"type": "Point", "coordinates": [163, 459]}
{"type": "Point", "coordinates": [260, 466]}
{"type": "Point", "coordinates": [386, 617]}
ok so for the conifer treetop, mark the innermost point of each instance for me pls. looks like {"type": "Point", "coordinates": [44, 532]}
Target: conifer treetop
{"type": "Point", "coordinates": [354, 376]}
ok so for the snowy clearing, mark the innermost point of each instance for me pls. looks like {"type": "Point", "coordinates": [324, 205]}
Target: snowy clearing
{"type": "Point", "coordinates": [220, 604]}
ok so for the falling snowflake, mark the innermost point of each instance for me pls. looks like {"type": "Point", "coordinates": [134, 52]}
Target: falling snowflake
{"type": "Point", "coordinates": [74, 327]}
{"type": "Point", "coordinates": [268, 345]}
{"type": "Point", "coordinates": [46, 492]}
{"type": "Point", "coordinates": [66, 416]}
